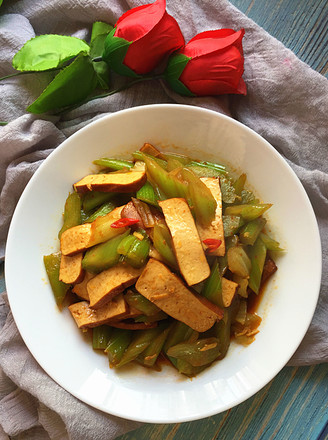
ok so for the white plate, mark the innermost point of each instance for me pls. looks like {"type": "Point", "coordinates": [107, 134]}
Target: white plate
{"type": "Point", "coordinates": [136, 393]}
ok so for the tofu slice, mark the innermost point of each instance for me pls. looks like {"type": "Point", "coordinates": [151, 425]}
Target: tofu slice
{"type": "Point", "coordinates": [107, 284]}
{"type": "Point", "coordinates": [165, 289]}
{"type": "Point", "coordinates": [112, 182]}
{"type": "Point", "coordinates": [228, 291]}
{"type": "Point", "coordinates": [80, 289]}
{"type": "Point", "coordinates": [187, 245]}
{"type": "Point", "coordinates": [86, 317]}
{"type": "Point", "coordinates": [215, 229]}
{"type": "Point", "coordinates": [70, 269]}
{"type": "Point", "coordinates": [81, 237]}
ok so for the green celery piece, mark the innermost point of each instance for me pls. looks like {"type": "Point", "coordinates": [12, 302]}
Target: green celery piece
{"type": "Point", "coordinates": [48, 52]}
{"type": "Point", "coordinates": [147, 194]}
{"type": "Point", "coordinates": [257, 254]}
{"type": "Point", "coordinates": [187, 369]}
{"type": "Point", "coordinates": [162, 241]}
{"type": "Point", "coordinates": [231, 224]}
{"type": "Point", "coordinates": [114, 164]}
{"type": "Point", "coordinates": [118, 342]}
{"type": "Point", "coordinates": [270, 243]}
{"type": "Point", "coordinates": [173, 164]}
{"type": "Point", "coordinates": [222, 332]}
{"type": "Point", "coordinates": [138, 301]}
{"type": "Point", "coordinates": [179, 332]}
{"type": "Point", "coordinates": [150, 355]}
{"type": "Point", "coordinates": [126, 244]}
{"type": "Point", "coordinates": [211, 165]}
{"type": "Point", "coordinates": [248, 197]}
{"type": "Point", "coordinates": [248, 212]}
{"type": "Point", "coordinates": [238, 261]}
{"type": "Point", "coordinates": [70, 86]}
{"type": "Point", "coordinates": [140, 155]}
{"type": "Point", "coordinates": [52, 265]}
{"type": "Point", "coordinates": [202, 200]}
{"type": "Point", "coordinates": [103, 255]}
{"type": "Point", "coordinates": [138, 252]}
{"type": "Point", "coordinates": [228, 191]}
{"type": "Point", "coordinates": [154, 318]}
{"type": "Point", "coordinates": [93, 199]}
{"type": "Point", "coordinates": [72, 213]}
{"type": "Point", "coordinates": [239, 184]}
{"type": "Point", "coordinates": [201, 171]}
{"type": "Point", "coordinates": [198, 353]}
{"type": "Point", "coordinates": [140, 341]}
{"type": "Point", "coordinates": [104, 209]}
{"type": "Point", "coordinates": [249, 232]}
{"type": "Point", "coordinates": [241, 312]}
{"type": "Point", "coordinates": [100, 337]}
{"type": "Point", "coordinates": [212, 289]}
{"type": "Point", "coordinates": [184, 160]}
{"type": "Point", "coordinates": [168, 183]}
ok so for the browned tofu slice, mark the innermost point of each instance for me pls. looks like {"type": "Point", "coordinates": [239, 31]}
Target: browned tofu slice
{"type": "Point", "coordinates": [165, 289]}
{"type": "Point", "coordinates": [80, 289]}
{"type": "Point", "coordinates": [187, 245]}
{"type": "Point", "coordinates": [81, 237]}
{"type": "Point", "coordinates": [112, 182]}
{"type": "Point", "coordinates": [215, 229]}
{"type": "Point", "coordinates": [70, 270]}
{"type": "Point", "coordinates": [86, 317]}
{"type": "Point", "coordinates": [228, 291]}
{"type": "Point", "coordinates": [104, 286]}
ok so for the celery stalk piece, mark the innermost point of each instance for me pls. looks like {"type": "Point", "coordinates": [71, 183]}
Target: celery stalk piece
{"type": "Point", "coordinates": [140, 341]}
{"type": "Point", "coordinates": [270, 243]}
{"type": "Point", "coordinates": [201, 171]}
{"type": "Point", "coordinates": [184, 160]}
{"type": "Point", "coordinates": [198, 354]}
{"type": "Point", "coordinates": [72, 212]}
{"type": "Point", "coordinates": [203, 202]}
{"type": "Point", "coordinates": [243, 284]}
{"type": "Point", "coordinates": [100, 337]}
{"type": "Point", "coordinates": [140, 155]}
{"type": "Point", "coordinates": [222, 331]}
{"type": "Point", "coordinates": [103, 255]}
{"type": "Point", "coordinates": [150, 355]}
{"type": "Point", "coordinates": [104, 209]}
{"type": "Point", "coordinates": [242, 312]}
{"type": "Point", "coordinates": [173, 164]}
{"type": "Point", "coordinates": [114, 164]}
{"type": "Point", "coordinates": [118, 342]}
{"type": "Point", "coordinates": [179, 332]}
{"type": "Point", "coordinates": [141, 303]}
{"type": "Point", "coordinates": [257, 256]}
{"type": "Point", "coordinates": [52, 265]}
{"type": "Point", "coordinates": [249, 233]}
{"type": "Point", "coordinates": [248, 212]}
{"type": "Point", "coordinates": [239, 184]}
{"type": "Point", "coordinates": [211, 165]}
{"type": "Point", "coordinates": [147, 194]}
{"type": "Point", "coordinates": [185, 368]}
{"type": "Point", "coordinates": [162, 241]}
{"type": "Point", "coordinates": [231, 224]}
{"type": "Point", "coordinates": [149, 319]}
{"type": "Point", "coordinates": [238, 261]}
{"type": "Point", "coordinates": [212, 289]}
{"type": "Point", "coordinates": [135, 251]}
{"type": "Point", "coordinates": [94, 199]}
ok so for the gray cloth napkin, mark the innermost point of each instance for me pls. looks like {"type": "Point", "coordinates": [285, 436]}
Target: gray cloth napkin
{"type": "Point", "coordinates": [286, 104]}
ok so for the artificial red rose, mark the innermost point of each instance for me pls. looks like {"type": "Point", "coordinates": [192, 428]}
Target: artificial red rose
{"type": "Point", "coordinates": [141, 38]}
{"type": "Point", "coordinates": [212, 63]}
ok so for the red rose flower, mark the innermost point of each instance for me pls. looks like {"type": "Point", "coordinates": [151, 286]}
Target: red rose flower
{"type": "Point", "coordinates": [141, 38]}
{"type": "Point", "coordinates": [212, 63]}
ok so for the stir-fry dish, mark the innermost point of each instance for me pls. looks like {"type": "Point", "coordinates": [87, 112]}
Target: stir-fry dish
{"type": "Point", "coordinates": [162, 258]}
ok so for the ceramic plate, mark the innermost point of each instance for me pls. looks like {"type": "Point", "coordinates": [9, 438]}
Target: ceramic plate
{"type": "Point", "coordinates": [137, 393]}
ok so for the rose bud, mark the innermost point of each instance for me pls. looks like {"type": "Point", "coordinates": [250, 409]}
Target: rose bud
{"type": "Point", "coordinates": [141, 39]}
{"type": "Point", "coordinates": [212, 63]}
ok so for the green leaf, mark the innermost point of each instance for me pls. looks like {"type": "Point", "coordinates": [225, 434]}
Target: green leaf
{"type": "Point", "coordinates": [115, 49]}
{"type": "Point", "coordinates": [100, 28]}
{"type": "Point", "coordinates": [70, 86]}
{"type": "Point", "coordinates": [174, 69]}
{"type": "Point", "coordinates": [47, 52]}
{"type": "Point", "coordinates": [99, 33]}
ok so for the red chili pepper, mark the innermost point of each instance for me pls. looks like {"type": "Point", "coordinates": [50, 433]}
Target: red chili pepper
{"type": "Point", "coordinates": [123, 222]}
{"type": "Point", "coordinates": [212, 244]}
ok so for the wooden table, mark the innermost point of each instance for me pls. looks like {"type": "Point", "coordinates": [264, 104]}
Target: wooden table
{"type": "Point", "coordinates": [295, 404]}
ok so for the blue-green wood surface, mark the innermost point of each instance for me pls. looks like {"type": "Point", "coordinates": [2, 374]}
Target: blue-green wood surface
{"type": "Point", "coordinates": [294, 405]}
